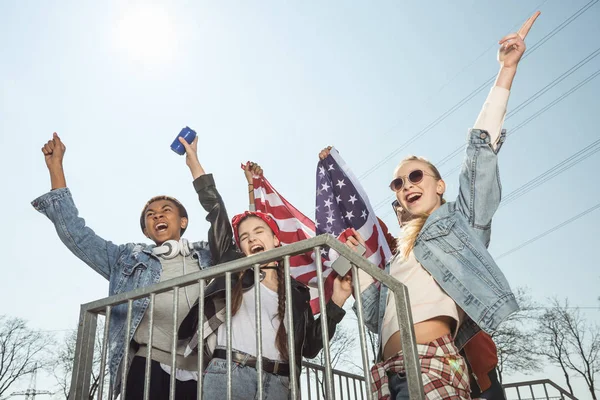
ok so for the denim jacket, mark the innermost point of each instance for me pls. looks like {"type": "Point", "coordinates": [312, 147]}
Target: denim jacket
{"type": "Point", "coordinates": [128, 266]}
{"type": "Point", "coordinates": [452, 247]}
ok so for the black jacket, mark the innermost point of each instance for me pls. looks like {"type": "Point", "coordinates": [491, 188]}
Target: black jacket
{"type": "Point", "coordinates": [307, 330]}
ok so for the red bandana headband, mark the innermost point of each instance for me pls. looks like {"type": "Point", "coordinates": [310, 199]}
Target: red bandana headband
{"type": "Point", "coordinates": [235, 223]}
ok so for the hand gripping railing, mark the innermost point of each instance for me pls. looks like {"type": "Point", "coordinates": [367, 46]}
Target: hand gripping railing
{"type": "Point", "coordinates": [84, 352]}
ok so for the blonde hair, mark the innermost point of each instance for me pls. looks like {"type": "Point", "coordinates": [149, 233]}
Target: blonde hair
{"type": "Point", "coordinates": [412, 228]}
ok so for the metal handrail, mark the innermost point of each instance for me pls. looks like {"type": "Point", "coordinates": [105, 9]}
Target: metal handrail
{"type": "Point", "coordinates": [543, 382]}
{"type": "Point", "coordinates": [89, 311]}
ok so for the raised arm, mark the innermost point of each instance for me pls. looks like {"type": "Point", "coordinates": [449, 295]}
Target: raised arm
{"type": "Point", "coordinates": [58, 205]}
{"type": "Point", "coordinates": [479, 189]}
{"type": "Point", "coordinates": [251, 170]}
{"type": "Point", "coordinates": [220, 234]}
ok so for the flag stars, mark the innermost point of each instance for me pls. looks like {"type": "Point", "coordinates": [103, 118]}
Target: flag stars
{"type": "Point", "coordinates": [349, 215]}
{"type": "Point", "coordinates": [330, 167]}
{"type": "Point", "coordinates": [330, 219]}
{"type": "Point", "coordinates": [321, 170]}
{"type": "Point", "coordinates": [364, 214]}
{"type": "Point", "coordinates": [338, 199]}
{"type": "Point", "coordinates": [353, 199]}
{"type": "Point", "coordinates": [325, 187]}
{"type": "Point", "coordinates": [340, 183]}
{"type": "Point", "coordinates": [328, 203]}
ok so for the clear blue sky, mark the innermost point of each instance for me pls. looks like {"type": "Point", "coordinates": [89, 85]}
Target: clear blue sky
{"type": "Point", "coordinates": [275, 82]}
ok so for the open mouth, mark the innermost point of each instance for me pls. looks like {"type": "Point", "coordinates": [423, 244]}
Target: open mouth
{"type": "Point", "coordinates": [161, 227]}
{"type": "Point", "coordinates": [413, 197]}
{"type": "Point", "coordinates": [257, 248]}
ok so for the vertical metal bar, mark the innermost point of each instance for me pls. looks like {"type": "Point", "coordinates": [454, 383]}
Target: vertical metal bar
{"type": "Point", "coordinates": [324, 328]}
{"type": "Point", "coordinates": [365, 391]}
{"type": "Point", "coordinates": [149, 354]}
{"type": "Point", "coordinates": [347, 386]}
{"type": "Point", "coordinates": [412, 364]}
{"type": "Point", "coordinates": [318, 385]}
{"type": "Point", "coordinates": [257, 311]}
{"type": "Point", "coordinates": [518, 392]}
{"type": "Point", "coordinates": [545, 391]}
{"type": "Point", "coordinates": [200, 334]}
{"type": "Point", "coordinates": [102, 371]}
{"type": "Point", "coordinates": [361, 330]}
{"type": "Point", "coordinates": [355, 391]}
{"type": "Point", "coordinates": [291, 335]}
{"type": "Point", "coordinates": [125, 360]}
{"type": "Point", "coordinates": [531, 391]}
{"type": "Point", "coordinates": [172, 381]}
{"type": "Point", "coordinates": [308, 383]}
{"type": "Point", "coordinates": [341, 387]}
{"type": "Point", "coordinates": [228, 326]}
{"type": "Point", "coordinates": [84, 354]}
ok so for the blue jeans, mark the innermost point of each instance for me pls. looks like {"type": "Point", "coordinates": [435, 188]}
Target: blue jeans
{"type": "Point", "coordinates": [398, 386]}
{"type": "Point", "coordinates": [244, 382]}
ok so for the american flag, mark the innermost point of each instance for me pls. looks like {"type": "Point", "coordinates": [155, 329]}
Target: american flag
{"type": "Point", "coordinates": [342, 204]}
{"type": "Point", "coordinates": [294, 227]}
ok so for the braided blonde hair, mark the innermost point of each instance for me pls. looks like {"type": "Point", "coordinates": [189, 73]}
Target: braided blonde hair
{"type": "Point", "coordinates": [412, 228]}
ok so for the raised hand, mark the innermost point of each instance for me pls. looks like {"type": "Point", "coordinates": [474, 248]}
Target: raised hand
{"type": "Point", "coordinates": [354, 240]}
{"type": "Point", "coordinates": [191, 157]}
{"type": "Point", "coordinates": [54, 152]}
{"type": "Point", "coordinates": [512, 46]}
{"type": "Point", "coordinates": [325, 152]}
{"type": "Point", "coordinates": [342, 289]}
{"type": "Point", "coordinates": [251, 169]}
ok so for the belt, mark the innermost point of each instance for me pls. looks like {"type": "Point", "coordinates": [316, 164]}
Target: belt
{"type": "Point", "coordinates": [272, 367]}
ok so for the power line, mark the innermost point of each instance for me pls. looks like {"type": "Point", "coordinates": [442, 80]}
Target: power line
{"type": "Point", "coordinates": [549, 231]}
{"type": "Point", "coordinates": [476, 91]}
{"type": "Point", "coordinates": [515, 129]}
{"type": "Point", "coordinates": [542, 110]}
{"type": "Point", "coordinates": [463, 69]}
{"type": "Point", "coordinates": [530, 99]}
{"type": "Point", "coordinates": [558, 169]}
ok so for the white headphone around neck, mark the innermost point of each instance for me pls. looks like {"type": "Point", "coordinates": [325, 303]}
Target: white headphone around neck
{"type": "Point", "coordinates": [172, 248]}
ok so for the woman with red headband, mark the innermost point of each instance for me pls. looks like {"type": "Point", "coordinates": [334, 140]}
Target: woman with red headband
{"type": "Point", "coordinates": [255, 232]}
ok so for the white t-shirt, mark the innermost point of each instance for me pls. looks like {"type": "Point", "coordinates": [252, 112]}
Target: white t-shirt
{"type": "Point", "coordinates": [244, 325]}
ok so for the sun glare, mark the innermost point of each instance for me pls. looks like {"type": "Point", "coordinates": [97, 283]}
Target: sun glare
{"type": "Point", "coordinates": [146, 35]}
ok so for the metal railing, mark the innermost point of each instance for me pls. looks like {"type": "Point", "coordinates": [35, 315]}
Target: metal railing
{"type": "Point", "coordinates": [350, 386]}
{"type": "Point", "coordinates": [84, 352]}
{"type": "Point", "coordinates": [533, 390]}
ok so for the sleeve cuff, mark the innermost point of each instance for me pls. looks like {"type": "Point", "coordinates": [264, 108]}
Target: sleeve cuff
{"type": "Point", "coordinates": [44, 200]}
{"type": "Point", "coordinates": [335, 312]}
{"type": "Point", "coordinates": [203, 181]}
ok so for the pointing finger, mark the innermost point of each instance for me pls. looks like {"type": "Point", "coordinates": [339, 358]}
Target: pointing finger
{"type": "Point", "coordinates": [528, 24]}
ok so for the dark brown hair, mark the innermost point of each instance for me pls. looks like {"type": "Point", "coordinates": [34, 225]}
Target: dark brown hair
{"type": "Point", "coordinates": [237, 294]}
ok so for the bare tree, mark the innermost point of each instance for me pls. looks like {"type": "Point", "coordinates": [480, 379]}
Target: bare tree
{"type": "Point", "coordinates": [22, 350]}
{"type": "Point", "coordinates": [513, 339]}
{"type": "Point", "coordinates": [554, 343]}
{"type": "Point", "coordinates": [63, 363]}
{"type": "Point", "coordinates": [373, 345]}
{"type": "Point", "coordinates": [342, 348]}
{"type": "Point", "coordinates": [570, 342]}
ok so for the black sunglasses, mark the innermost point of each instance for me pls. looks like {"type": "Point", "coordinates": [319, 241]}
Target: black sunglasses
{"type": "Point", "coordinates": [413, 177]}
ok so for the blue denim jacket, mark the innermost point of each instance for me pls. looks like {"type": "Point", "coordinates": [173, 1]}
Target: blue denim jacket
{"type": "Point", "coordinates": [452, 247]}
{"type": "Point", "coordinates": [127, 267]}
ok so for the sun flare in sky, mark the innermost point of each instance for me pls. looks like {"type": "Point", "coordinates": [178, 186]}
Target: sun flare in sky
{"type": "Point", "coordinates": [146, 34]}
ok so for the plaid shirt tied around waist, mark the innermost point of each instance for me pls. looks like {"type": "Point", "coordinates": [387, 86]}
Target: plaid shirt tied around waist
{"type": "Point", "coordinates": [443, 370]}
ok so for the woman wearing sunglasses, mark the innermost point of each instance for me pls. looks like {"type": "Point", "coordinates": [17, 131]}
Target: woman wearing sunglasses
{"type": "Point", "coordinates": [455, 287]}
